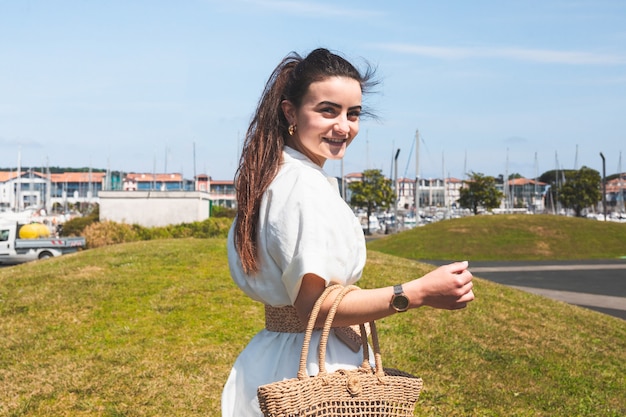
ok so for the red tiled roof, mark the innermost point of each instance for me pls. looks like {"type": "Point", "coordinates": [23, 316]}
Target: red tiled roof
{"type": "Point", "coordinates": [10, 175]}
{"type": "Point", "coordinates": [154, 177]}
{"type": "Point", "coordinates": [355, 175]}
{"type": "Point", "coordinates": [524, 181]}
{"type": "Point", "coordinates": [77, 177]}
{"type": "Point", "coordinates": [7, 175]}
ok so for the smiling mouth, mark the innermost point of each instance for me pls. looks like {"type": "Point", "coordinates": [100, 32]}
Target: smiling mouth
{"type": "Point", "coordinates": [335, 141]}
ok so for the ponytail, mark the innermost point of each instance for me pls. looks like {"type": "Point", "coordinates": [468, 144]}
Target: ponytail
{"type": "Point", "coordinates": [260, 159]}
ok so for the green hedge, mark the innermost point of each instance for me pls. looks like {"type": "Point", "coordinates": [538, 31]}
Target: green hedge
{"type": "Point", "coordinates": [109, 233]}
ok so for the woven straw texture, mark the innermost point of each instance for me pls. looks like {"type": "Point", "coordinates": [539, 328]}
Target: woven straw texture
{"type": "Point", "coordinates": [359, 392]}
{"type": "Point", "coordinates": [285, 319]}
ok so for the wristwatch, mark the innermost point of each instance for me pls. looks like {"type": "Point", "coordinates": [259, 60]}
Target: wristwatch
{"type": "Point", "coordinates": [399, 302]}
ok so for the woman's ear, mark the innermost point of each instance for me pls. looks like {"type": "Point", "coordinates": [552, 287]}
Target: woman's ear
{"type": "Point", "coordinates": [289, 110]}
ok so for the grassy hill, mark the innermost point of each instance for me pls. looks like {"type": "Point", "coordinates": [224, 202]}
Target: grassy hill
{"type": "Point", "coordinates": [152, 328]}
{"type": "Point", "coordinates": [509, 237]}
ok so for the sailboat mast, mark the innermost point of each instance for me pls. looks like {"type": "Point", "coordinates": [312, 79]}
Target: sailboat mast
{"type": "Point", "coordinates": [195, 180]}
{"type": "Point", "coordinates": [556, 181]}
{"type": "Point", "coordinates": [417, 177]}
{"type": "Point", "coordinates": [620, 184]}
{"type": "Point", "coordinates": [18, 182]}
{"type": "Point", "coordinates": [535, 196]}
{"type": "Point", "coordinates": [465, 165]}
{"type": "Point", "coordinates": [505, 183]}
{"type": "Point", "coordinates": [48, 204]}
{"type": "Point", "coordinates": [445, 188]}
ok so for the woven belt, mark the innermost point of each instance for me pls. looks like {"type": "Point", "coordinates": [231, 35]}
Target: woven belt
{"type": "Point", "coordinates": [285, 320]}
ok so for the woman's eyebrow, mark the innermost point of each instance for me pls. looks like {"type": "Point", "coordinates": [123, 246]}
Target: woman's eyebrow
{"type": "Point", "coordinates": [330, 103]}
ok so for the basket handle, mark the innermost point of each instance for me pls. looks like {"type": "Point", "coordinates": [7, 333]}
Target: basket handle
{"type": "Point", "coordinates": [378, 360]}
{"type": "Point", "coordinates": [309, 329]}
{"type": "Point", "coordinates": [326, 331]}
{"type": "Point", "coordinates": [378, 363]}
{"type": "Point", "coordinates": [328, 324]}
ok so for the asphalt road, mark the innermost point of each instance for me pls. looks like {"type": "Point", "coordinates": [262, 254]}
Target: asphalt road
{"type": "Point", "coordinates": [598, 284]}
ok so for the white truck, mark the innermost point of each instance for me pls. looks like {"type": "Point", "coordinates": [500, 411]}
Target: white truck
{"type": "Point", "coordinates": [14, 250]}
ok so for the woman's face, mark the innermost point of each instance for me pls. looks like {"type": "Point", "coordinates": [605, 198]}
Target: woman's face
{"type": "Point", "coordinates": [327, 120]}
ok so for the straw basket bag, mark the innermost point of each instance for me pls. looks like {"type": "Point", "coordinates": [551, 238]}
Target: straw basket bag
{"type": "Point", "coordinates": [357, 392]}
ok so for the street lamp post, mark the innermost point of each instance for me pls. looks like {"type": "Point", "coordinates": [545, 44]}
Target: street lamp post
{"type": "Point", "coordinates": [603, 185]}
{"type": "Point", "coordinates": [395, 205]}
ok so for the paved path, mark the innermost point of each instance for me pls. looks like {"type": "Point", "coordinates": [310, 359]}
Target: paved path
{"type": "Point", "coordinates": [598, 285]}
{"type": "Point", "coordinates": [588, 300]}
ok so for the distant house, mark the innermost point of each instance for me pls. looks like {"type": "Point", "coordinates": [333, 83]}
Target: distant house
{"type": "Point", "coordinates": [34, 189]}
{"type": "Point", "coordinates": [222, 193]}
{"type": "Point", "coordinates": [526, 193]}
{"type": "Point", "coordinates": [453, 190]}
{"type": "Point", "coordinates": [156, 182]}
{"type": "Point", "coordinates": [615, 192]}
{"type": "Point", "coordinates": [433, 192]}
{"type": "Point", "coordinates": [23, 189]}
{"type": "Point", "coordinates": [76, 187]}
{"type": "Point", "coordinates": [203, 183]}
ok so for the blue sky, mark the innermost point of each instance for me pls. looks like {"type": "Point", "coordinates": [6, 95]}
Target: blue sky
{"type": "Point", "coordinates": [492, 86]}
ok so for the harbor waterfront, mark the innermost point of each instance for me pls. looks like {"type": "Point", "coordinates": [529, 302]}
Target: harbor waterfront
{"type": "Point", "coordinates": [32, 193]}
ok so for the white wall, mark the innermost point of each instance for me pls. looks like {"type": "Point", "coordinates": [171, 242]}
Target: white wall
{"type": "Point", "coordinates": [154, 208]}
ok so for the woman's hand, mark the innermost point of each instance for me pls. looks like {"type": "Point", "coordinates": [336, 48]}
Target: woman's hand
{"type": "Point", "coordinates": [447, 287]}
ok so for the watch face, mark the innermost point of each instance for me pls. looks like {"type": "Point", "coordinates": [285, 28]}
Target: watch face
{"type": "Point", "coordinates": [400, 302]}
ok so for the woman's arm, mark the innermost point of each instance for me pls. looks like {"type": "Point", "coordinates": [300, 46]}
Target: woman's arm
{"type": "Point", "coordinates": [447, 287]}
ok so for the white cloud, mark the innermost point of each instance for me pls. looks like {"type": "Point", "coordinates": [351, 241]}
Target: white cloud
{"type": "Point", "coordinates": [519, 54]}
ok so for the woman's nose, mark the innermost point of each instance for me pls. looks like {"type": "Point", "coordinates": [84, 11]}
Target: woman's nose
{"type": "Point", "coordinates": [342, 126]}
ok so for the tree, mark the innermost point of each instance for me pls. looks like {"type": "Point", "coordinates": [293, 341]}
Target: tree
{"type": "Point", "coordinates": [374, 190]}
{"type": "Point", "coordinates": [480, 191]}
{"type": "Point", "coordinates": [554, 179]}
{"type": "Point", "coordinates": [580, 190]}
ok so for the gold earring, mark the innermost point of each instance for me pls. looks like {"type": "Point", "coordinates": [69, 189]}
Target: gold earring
{"type": "Point", "coordinates": [291, 129]}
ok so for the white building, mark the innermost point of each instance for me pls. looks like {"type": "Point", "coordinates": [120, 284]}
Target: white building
{"type": "Point", "coordinates": [26, 189]}
{"type": "Point", "coordinates": [152, 209]}
{"type": "Point", "coordinates": [433, 192]}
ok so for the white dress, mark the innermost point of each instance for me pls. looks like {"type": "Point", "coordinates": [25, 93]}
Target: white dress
{"type": "Point", "coordinates": [304, 227]}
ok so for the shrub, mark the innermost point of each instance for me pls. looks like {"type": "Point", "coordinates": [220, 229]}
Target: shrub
{"type": "Point", "coordinates": [108, 233]}
{"type": "Point", "coordinates": [77, 225]}
{"type": "Point", "coordinates": [219, 211]}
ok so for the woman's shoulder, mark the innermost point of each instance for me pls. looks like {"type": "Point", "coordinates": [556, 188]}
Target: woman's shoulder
{"type": "Point", "coordinates": [300, 173]}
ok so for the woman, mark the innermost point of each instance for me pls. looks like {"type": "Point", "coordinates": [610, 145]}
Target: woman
{"type": "Point", "coordinates": [294, 235]}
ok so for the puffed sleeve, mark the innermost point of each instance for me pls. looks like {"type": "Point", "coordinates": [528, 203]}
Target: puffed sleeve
{"type": "Point", "coordinates": [310, 229]}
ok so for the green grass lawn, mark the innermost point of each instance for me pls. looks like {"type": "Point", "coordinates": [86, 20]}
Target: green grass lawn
{"type": "Point", "coordinates": [509, 237]}
{"type": "Point", "coordinates": [152, 328]}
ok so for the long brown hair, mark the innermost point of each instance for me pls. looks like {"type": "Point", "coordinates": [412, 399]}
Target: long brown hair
{"type": "Point", "coordinates": [261, 155]}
